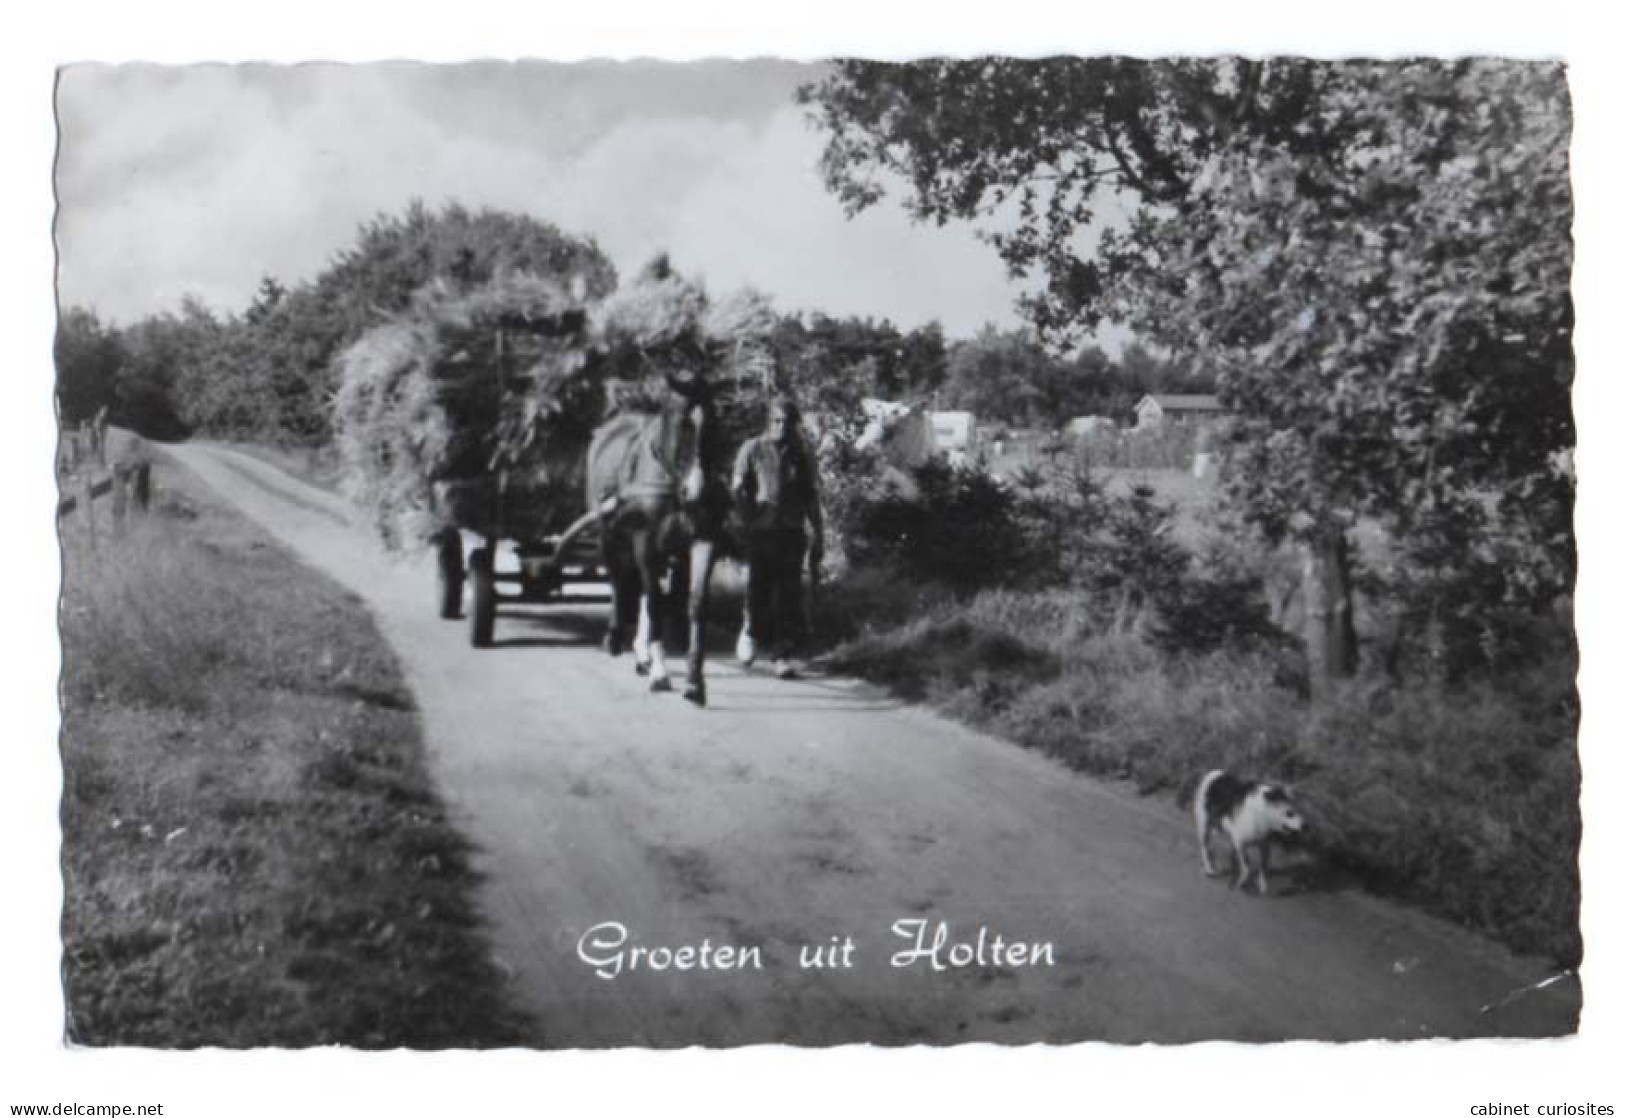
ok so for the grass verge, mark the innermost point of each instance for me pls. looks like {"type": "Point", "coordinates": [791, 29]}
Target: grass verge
{"type": "Point", "coordinates": [1465, 801]}
{"type": "Point", "coordinates": [253, 852]}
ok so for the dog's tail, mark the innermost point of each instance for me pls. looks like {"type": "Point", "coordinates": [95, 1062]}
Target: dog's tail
{"type": "Point", "coordinates": [1194, 790]}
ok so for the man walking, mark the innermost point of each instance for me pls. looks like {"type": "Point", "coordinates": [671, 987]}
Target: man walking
{"type": "Point", "coordinates": [775, 486]}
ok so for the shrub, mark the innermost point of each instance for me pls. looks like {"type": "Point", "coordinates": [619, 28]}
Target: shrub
{"type": "Point", "coordinates": [1052, 527]}
{"type": "Point", "coordinates": [961, 529]}
{"type": "Point", "coordinates": [1135, 559]}
{"type": "Point", "coordinates": [1218, 603]}
{"type": "Point", "coordinates": [871, 599]}
{"type": "Point", "coordinates": [942, 655]}
{"type": "Point", "coordinates": [1466, 798]}
{"type": "Point", "coordinates": [1468, 622]}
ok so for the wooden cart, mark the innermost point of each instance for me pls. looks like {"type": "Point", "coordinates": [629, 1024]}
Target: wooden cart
{"type": "Point", "coordinates": [482, 512]}
{"type": "Point", "coordinates": [546, 564]}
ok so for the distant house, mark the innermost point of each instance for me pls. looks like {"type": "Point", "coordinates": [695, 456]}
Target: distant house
{"type": "Point", "coordinates": [1085, 425]}
{"type": "Point", "coordinates": [953, 430]}
{"type": "Point", "coordinates": [900, 433]}
{"type": "Point", "coordinates": [879, 416]}
{"type": "Point", "coordinates": [1156, 409]}
{"type": "Point", "coordinates": [901, 436]}
{"type": "Point", "coordinates": [883, 410]}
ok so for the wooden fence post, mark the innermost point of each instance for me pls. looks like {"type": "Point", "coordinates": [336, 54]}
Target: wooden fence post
{"type": "Point", "coordinates": [88, 498]}
{"type": "Point", "coordinates": [121, 478]}
{"type": "Point", "coordinates": [143, 487]}
{"type": "Point", "coordinates": [98, 434]}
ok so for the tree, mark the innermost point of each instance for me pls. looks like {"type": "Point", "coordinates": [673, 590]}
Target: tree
{"type": "Point", "coordinates": [1373, 259]}
{"type": "Point", "coordinates": [88, 357]}
{"type": "Point", "coordinates": [204, 381]}
{"type": "Point", "coordinates": [1001, 376]}
{"type": "Point", "coordinates": [155, 351]}
{"type": "Point", "coordinates": [376, 278]}
{"type": "Point", "coordinates": [269, 372]}
{"type": "Point", "coordinates": [266, 298]}
{"type": "Point", "coordinates": [1010, 377]}
{"type": "Point", "coordinates": [831, 364]}
{"type": "Point", "coordinates": [923, 362]}
{"type": "Point", "coordinates": [1139, 371]}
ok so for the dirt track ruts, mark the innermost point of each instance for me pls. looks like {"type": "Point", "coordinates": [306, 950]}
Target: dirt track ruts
{"type": "Point", "coordinates": [789, 813]}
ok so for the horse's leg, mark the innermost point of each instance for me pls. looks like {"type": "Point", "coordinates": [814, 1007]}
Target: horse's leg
{"type": "Point", "coordinates": [612, 627]}
{"type": "Point", "coordinates": [745, 647]}
{"type": "Point", "coordinates": [641, 642]}
{"type": "Point", "coordinates": [701, 557]}
{"type": "Point", "coordinates": [623, 591]}
{"type": "Point", "coordinates": [676, 634]}
{"type": "Point", "coordinates": [645, 555]}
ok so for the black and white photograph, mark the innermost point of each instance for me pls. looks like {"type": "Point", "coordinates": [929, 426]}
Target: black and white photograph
{"type": "Point", "coordinates": [935, 550]}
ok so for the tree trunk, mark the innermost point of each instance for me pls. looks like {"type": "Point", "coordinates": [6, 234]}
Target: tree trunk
{"type": "Point", "coordinates": [1328, 624]}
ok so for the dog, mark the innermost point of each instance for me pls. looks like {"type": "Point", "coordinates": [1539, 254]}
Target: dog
{"type": "Point", "coordinates": [1250, 814]}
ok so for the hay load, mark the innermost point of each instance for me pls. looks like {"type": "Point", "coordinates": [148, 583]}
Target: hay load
{"type": "Point", "coordinates": [472, 410]}
{"type": "Point", "coordinates": [663, 324]}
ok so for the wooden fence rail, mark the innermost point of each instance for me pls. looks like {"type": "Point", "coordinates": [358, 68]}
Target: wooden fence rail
{"type": "Point", "coordinates": [86, 442]}
{"type": "Point", "coordinates": [129, 485]}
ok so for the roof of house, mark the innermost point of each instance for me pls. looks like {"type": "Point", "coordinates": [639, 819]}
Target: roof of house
{"type": "Point", "coordinates": [1184, 403]}
{"type": "Point", "coordinates": [874, 408]}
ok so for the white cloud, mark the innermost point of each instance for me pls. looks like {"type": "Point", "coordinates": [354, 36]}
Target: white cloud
{"type": "Point", "coordinates": [200, 180]}
{"type": "Point", "coordinates": [762, 216]}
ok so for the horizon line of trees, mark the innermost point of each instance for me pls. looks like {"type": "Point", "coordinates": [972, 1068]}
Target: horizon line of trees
{"type": "Point", "coordinates": [267, 372]}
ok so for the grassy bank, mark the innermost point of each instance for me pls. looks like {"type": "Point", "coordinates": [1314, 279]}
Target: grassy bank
{"type": "Point", "coordinates": [1462, 801]}
{"type": "Point", "coordinates": [253, 853]}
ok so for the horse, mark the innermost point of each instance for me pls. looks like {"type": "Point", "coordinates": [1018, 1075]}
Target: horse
{"type": "Point", "coordinates": [652, 477]}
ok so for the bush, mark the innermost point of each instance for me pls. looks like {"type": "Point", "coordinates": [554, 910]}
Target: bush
{"type": "Point", "coordinates": [1468, 623]}
{"type": "Point", "coordinates": [1218, 603]}
{"type": "Point", "coordinates": [962, 528]}
{"type": "Point", "coordinates": [1134, 559]}
{"type": "Point", "coordinates": [1465, 798]}
{"type": "Point", "coordinates": [873, 599]}
{"type": "Point", "coordinates": [1053, 527]}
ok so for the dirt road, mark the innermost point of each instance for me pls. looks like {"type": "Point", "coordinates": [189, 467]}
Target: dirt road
{"type": "Point", "coordinates": [794, 815]}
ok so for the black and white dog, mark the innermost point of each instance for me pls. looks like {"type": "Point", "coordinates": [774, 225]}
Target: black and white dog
{"type": "Point", "coordinates": [1249, 814]}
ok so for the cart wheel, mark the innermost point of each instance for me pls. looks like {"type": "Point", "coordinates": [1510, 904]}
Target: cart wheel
{"type": "Point", "coordinates": [449, 573]}
{"type": "Point", "coordinates": [483, 609]}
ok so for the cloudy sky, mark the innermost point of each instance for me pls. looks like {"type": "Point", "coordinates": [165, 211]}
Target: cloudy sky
{"type": "Point", "coordinates": [177, 180]}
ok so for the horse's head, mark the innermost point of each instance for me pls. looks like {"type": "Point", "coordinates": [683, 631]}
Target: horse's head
{"type": "Point", "coordinates": [688, 385]}
{"type": "Point", "coordinates": [662, 447]}
{"type": "Point", "coordinates": [700, 417]}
